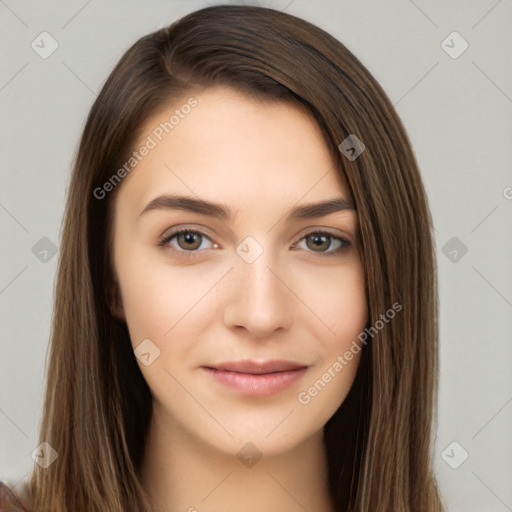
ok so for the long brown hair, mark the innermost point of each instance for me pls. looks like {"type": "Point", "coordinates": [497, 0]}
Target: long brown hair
{"type": "Point", "coordinates": [97, 404]}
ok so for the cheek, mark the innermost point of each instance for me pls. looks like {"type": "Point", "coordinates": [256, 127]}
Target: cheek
{"type": "Point", "coordinates": [146, 298]}
{"type": "Point", "coordinates": [147, 306]}
{"type": "Point", "coordinates": [338, 305]}
{"type": "Point", "coordinates": [339, 302]}
{"type": "Point", "coordinates": [162, 302]}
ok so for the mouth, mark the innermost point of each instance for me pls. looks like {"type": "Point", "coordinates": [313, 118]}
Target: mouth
{"type": "Point", "coordinates": [254, 378]}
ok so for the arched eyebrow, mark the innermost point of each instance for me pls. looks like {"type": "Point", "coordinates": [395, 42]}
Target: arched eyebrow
{"type": "Point", "coordinates": [223, 212]}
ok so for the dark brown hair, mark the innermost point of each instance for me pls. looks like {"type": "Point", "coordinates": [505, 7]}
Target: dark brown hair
{"type": "Point", "coordinates": [97, 404]}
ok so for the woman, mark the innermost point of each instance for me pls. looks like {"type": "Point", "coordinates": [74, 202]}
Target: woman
{"type": "Point", "coordinates": [291, 363]}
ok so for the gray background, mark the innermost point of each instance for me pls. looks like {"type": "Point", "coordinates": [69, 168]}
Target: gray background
{"type": "Point", "coordinates": [457, 112]}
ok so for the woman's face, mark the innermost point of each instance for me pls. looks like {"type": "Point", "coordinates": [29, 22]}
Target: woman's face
{"type": "Point", "coordinates": [239, 326]}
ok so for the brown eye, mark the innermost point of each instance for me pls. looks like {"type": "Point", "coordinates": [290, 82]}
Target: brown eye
{"type": "Point", "coordinates": [185, 241]}
{"type": "Point", "coordinates": [189, 240]}
{"type": "Point", "coordinates": [318, 241]}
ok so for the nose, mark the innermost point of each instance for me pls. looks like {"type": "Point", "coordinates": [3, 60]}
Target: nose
{"type": "Point", "coordinates": [259, 298]}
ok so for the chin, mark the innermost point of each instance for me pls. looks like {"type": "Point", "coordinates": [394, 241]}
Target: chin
{"type": "Point", "coordinates": [265, 439]}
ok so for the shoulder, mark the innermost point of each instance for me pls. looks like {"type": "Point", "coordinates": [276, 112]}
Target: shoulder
{"type": "Point", "coordinates": [10, 500]}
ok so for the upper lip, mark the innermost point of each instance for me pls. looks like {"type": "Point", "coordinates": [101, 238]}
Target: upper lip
{"type": "Point", "coordinates": [255, 367]}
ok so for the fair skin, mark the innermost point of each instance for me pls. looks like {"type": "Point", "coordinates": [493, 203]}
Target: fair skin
{"type": "Point", "coordinates": [293, 302]}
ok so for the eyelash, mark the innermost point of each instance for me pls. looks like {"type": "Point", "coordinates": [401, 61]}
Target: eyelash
{"type": "Point", "coordinates": [345, 244]}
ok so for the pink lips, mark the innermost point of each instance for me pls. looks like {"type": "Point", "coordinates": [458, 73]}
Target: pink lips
{"type": "Point", "coordinates": [257, 379]}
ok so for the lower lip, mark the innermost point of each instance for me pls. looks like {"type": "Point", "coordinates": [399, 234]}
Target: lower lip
{"type": "Point", "coordinates": [256, 384]}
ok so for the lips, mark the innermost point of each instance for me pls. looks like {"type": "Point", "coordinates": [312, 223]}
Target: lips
{"type": "Point", "coordinates": [256, 368]}
{"type": "Point", "coordinates": [253, 378]}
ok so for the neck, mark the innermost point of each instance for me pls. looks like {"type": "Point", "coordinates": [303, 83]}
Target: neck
{"type": "Point", "coordinates": [182, 473]}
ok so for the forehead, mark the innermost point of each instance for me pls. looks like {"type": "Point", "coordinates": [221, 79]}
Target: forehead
{"type": "Point", "coordinates": [234, 149]}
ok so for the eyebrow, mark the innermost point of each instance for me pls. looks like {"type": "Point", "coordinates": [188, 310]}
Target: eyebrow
{"type": "Point", "coordinates": [201, 206]}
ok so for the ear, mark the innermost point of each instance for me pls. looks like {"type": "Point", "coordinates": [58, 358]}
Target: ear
{"type": "Point", "coordinates": [113, 297]}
